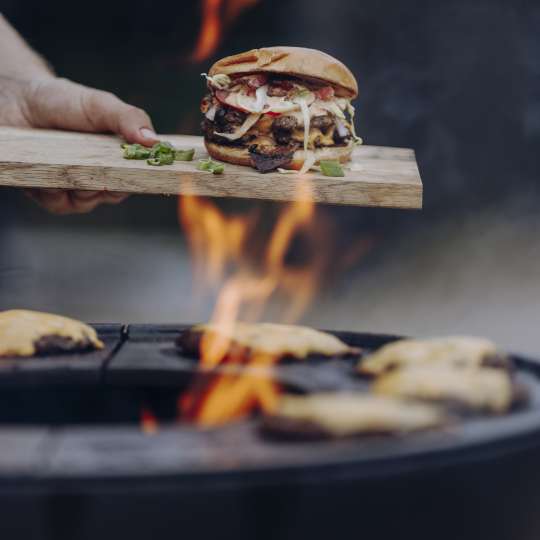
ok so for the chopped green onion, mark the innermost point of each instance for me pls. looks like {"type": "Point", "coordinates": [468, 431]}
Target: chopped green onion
{"type": "Point", "coordinates": [164, 153]}
{"type": "Point", "coordinates": [218, 168]}
{"type": "Point", "coordinates": [210, 166]}
{"type": "Point", "coordinates": [162, 147]}
{"type": "Point", "coordinates": [135, 151]}
{"type": "Point", "coordinates": [331, 168]}
{"type": "Point", "coordinates": [184, 155]}
{"type": "Point", "coordinates": [166, 159]}
{"type": "Point", "coordinates": [161, 159]}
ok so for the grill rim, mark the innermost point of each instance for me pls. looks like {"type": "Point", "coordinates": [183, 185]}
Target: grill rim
{"type": "Point", "coordinates": [516, 432]}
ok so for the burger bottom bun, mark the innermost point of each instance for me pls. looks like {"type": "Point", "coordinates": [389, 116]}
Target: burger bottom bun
{"type": "Point", "coordinates": [240, 155]}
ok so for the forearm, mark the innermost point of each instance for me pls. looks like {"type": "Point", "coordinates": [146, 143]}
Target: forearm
{"type": "Point", "coordinates": [31, 96]}
{"type": "Point", "coordinates": [17, 59]}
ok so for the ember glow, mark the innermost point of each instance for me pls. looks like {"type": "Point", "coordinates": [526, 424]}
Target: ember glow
{"type": "Point", "coordinates": [217, 16]}
{"type": "Point", "coordinates": [251, 290]}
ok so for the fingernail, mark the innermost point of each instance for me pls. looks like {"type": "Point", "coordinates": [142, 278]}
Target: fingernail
{"type": "Point", "coordinates": [148, 134]}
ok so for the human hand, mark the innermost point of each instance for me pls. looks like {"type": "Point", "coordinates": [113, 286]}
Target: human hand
{"type": "Point", "coordinates": [51, 102]}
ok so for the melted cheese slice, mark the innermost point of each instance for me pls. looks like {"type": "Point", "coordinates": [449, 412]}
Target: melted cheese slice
{"type": "Point", "coordinates": [479, 389]}
{"type": "Point", "coordinates": [314, 134]}
{"type": "Point", "coordinates": [279, 340]}
{"type": "Point", "coordinates": [455, 351]}
{"type": "Point", "coordinates": [20, 329]}
{"type": "Point", "coordinates": [343, 414]}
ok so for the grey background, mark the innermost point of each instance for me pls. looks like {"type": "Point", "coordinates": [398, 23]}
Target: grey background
{"type": "Point", "coordinates": [457, 81]}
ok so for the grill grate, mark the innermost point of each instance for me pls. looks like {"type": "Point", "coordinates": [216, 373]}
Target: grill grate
{"type": "Point", "coordinates": [140, 366]}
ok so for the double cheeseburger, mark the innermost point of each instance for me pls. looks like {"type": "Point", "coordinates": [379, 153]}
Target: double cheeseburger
{"type": "Point", "coordinates": [279, 108]}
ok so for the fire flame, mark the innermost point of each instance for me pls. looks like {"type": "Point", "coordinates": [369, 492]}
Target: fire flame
{"type": "Point", "coordinates": [218, 242]}
{"type": "Point", "coordinates": [217, 15]}
{"type": "Point", "coordinates": [148, 423]}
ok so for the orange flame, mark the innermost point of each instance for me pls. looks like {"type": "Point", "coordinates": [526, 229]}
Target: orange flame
{"type": "Point", "coordinates": [214, 239]}
{"type": "Point", "coordinates": [216, 16]}
{"type": "Point", "coordinates": [217, 242]}
{"type": "Point", "coordinates": [149, 423]}
{"type": "Point", "coordinates": [228, 396]}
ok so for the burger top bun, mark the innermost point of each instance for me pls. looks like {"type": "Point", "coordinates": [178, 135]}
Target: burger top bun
{"type": "Point", "coordinates": [294, 61]}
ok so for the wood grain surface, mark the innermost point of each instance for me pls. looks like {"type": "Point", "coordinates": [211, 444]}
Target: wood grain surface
{"type": "Point", "coordinates": [380, 176]}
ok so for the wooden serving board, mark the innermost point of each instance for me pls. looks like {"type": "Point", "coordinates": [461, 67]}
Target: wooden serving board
{"type": "Point", "coordinates": [385, 177]}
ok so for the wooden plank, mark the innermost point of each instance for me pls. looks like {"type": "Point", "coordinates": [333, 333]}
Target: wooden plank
{"type": "Point", "coordinates": [381, 176]}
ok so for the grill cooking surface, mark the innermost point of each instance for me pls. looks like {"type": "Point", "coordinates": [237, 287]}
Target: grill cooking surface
{"type": "Point", "coordinates": [140, 366]}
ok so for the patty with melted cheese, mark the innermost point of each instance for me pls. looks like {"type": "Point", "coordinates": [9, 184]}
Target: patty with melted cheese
{"type": "Point", "coordinates": [348, 414]}
{"type": "Point", "coordinates": [29, 333]}
{"type": "Point", "coordinates": [274, 340]}
{"type": "Point", "coordinates": [478, 389]}
{"type": "Point", "coordinates": [457, 351]}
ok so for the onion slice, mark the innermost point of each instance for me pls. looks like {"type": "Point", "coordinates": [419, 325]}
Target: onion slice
{"type": "Point", "coordinates": [249, 122]}
{"type": "Point", "coordinates": [307, 121]}
{"type": "Point", "coordinates": [309, 161]}
{"type": "Point", "coordinates": [279, 105]}
{"type": "Point", "coordinates": [211, 113]}
{"type": "Point", "coordinates": [219, 80]}
{"type": "Point", "coordinates": [341, 129]}
{"type": "Point", "coordinates": [332, 107]}
{"type": "Point", "coordinates": [253, 105]}
{"type": "Point", "coordinates": [351, 111]}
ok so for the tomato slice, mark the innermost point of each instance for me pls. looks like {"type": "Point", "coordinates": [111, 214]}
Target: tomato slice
{"type": "Point", "coordinates": [256, 81]}
{"type": "Point", "coordinates": [223, 97]}
{"type": "Point", "coordinates": [325, 93]}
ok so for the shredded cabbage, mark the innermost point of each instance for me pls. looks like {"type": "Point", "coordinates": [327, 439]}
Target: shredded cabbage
{"type": "Point", "coordinates": [249, 122]}
{"type": "Point", "coordinates": [351, 111]}
{"type": "Point", "coordinates": [342, 103]}
{"type": "Point", "coordinates": [309, 161]}
{"type": "Point", "coordinates": [248, 103]}
{"type": "Point", "coordinates": [307, 121]}
{"type": "Point", "coordinates": [331, 107]}
{"type": "Point", "coordinates": [280, 105]}
{"type": "Point", "coordinates": [219, 80]}
{"type": "Point", "coordinates": [341, 129]}
{"type": "Point", "coordinates": [211, 113]}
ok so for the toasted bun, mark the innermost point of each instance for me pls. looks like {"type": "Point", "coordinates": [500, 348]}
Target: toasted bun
{"type": "Point", "coordinates": [294, 61]}
{"type": "Point", "coordinates": [240, 155]}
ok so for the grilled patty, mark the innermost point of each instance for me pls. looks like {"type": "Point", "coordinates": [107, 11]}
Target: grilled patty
{"type": "Point", "coordinates": [283, 130]}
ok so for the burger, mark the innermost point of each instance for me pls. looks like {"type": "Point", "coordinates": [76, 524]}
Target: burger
{"type": "Point", "coordinates": [279, 108]}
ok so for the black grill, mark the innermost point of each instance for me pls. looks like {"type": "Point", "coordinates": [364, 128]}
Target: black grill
{"type": "Point", "coordinates": [104, 478]}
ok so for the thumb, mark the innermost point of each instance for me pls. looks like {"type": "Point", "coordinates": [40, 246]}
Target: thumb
{"type": "Point", "coordinates": [62, 104]}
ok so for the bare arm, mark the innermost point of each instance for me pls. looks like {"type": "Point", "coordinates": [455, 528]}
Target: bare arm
{"type": "Point", "coordinates": [17, 59]}
{"type": "Point", "coordinates": [32, 96]}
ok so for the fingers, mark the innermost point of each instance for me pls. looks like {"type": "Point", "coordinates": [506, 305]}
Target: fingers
{"type": "Point", "coordinates": [108, 113]}
{"type": "Point", "coordinates": [59, 103]}
{"type": "Point", "coordinates": [62, 202]}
